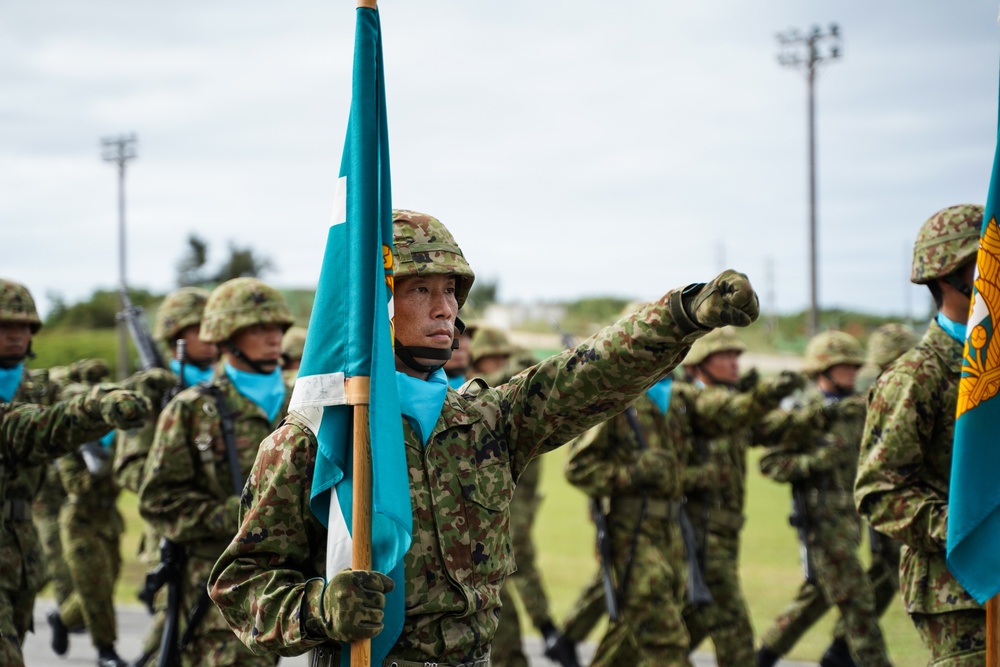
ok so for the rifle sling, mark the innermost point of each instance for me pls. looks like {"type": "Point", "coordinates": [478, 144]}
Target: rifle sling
{"type": "Point", "coordinates": [228, 434]}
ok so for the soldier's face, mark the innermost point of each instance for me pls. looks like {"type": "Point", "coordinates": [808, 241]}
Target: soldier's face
{"type": "Point", "coordinates": [843, 375]}
{"type": "Point", "coordinates": [260, 342]}
{"type": "Point", "coordinates": [425, 312]}
{"type": "Point", "coordinates": [491, 364]}
{"type": "Point", "coordinates": [459, 362]}
{"type": "Point", "coordinates": [198, 352]}
{"type": "Point", "coordinates": [723, 366]}
{"type": "Point", "coordinates": [15, 337]}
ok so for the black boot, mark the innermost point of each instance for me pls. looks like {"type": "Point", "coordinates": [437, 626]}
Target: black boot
{"type": "Point", "coordinates": [108, 657]}
{"type": "Point", "coordinates": [60, 633]}
{"type": "Point", "coordinates": [766, 657]}
{"type": "Point", "coordinates": [558, 647]}
{"type": "Point", "coordinates": [837, 655]}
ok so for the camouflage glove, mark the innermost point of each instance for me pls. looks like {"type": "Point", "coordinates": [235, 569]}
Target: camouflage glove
{"type": "Point", "coordinates": [825, 459]}
{"type": "Point", "coordinates": [748, 380]}
{"type": "Point", "coordinates": [776, 388]}
{"type": "Point", "coordinates": [728, 299]}
{"type": "Point", "coordinates": [852, 408]}
{"type": "Point", "coordinates": [353, 601]}
{"type": "Point", "coordinates": [89, 371]}
{"type": "Point", "coordinates": [153, 384]}
{"type": "Point", "coordinates": [655, 468]}
{"type": "Point", "coordinates": [119, 407]}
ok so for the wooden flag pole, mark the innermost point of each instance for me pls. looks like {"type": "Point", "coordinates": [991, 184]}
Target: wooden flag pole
{"type": "Point", "coordinates": [358, 390]}
{"type": "Point", "coordinates": [370, 4]}
{"type": "Point", "coordinates": [993, 632]}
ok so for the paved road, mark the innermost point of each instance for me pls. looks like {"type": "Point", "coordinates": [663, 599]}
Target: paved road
{"type": "Point", "coordinates": [132, 622]}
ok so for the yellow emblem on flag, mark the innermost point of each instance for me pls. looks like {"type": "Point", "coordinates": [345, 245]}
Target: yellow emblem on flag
{"type": "Point", "coordinates": [981, 362]}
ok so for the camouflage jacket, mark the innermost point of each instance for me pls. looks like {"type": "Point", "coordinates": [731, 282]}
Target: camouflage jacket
{"type": "Point", "coordinates": [30, 437]}
{"type": "Point", "coordinates": [817, 453]}
{"type": "Point", "coordinates": [722, 422]}
{"type": "Point", "coordinates": [461, 485]}
{"type": "Point", "coordinates": [905, 467]}
{"type": "Point", "coordinates": [187, 492]}
{"type": "Point", "coordinates": [602, 461]}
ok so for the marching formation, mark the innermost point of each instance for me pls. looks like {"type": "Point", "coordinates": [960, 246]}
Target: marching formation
{"type": "Point", "coordinates": [656, 412]}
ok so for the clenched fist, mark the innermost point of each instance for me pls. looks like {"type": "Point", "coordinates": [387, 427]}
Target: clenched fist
{"type": "Point", "coordinates": [122, 408]}
{"type": "Point", "coordinates": [729, 299]}
{"type": "Point", "coordinates": [353, 601]}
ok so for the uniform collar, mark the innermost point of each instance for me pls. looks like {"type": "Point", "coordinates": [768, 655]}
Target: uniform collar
{"type": "Point", "coordinates": [943, 345]}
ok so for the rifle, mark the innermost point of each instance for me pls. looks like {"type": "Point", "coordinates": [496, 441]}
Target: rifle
{"type": "Point", "coordinates": [134, 317]}
{"type": "Point", "coordinates": [697, 592]}
{"type": "Point", "coordinates": [169, 572]}
{"type": "Point", "coordinates": [799, 519]}
{"type": "Point", "coordinates": [604, 554]}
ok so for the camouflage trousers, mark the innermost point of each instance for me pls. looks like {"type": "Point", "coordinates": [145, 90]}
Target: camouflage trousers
{"type": "Point", "coordinates": [839, 579]}
{"type": "Point", "coordinates": [526, 582]}
{"type": "Point", "coordinates": [588, 610]}
{"type": "Point", "coordinates": [90, 537]}
{"type": "Point", "coordinates": [727, 620]}
{"type": "Point", "coordinates": [954, 639]}
{"type": "Point", "coordinates": [15, 621]}
{"type": "Point", "coordinates": [45, 511]}
{"type": "Point", "coordinates": [810, 604]}
{"type": "Point", "coordinates": [650, 629]}
{"type": "Point", "coordinates": [506, 648]}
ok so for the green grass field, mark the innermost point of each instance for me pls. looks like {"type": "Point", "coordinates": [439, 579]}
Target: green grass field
{"type": "Point", "coordinates": [565, 543]}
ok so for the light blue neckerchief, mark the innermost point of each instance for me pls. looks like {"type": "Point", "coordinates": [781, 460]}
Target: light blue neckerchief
{"type": "Point", "coordinates": [192, 374]}
{"type": "Point", "coordinates": [267, 391]}
{"type": "Point", "coordinates": [10, 380]}
{"type": "Point", "coordinates": [456, 382]}
{"type": "Point", "coordinates": [954, 329]}
{"type": "Point", "coordinates": [108, 439]}
{"type": "Point", "coordinates": [421, 400]}
{"type": "Point", "coordinates": [659, 393]}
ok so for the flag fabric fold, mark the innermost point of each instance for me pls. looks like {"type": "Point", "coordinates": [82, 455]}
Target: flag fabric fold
{"type": "Point", "coordinates": [974, 496]}
{"type": "Point", "coordinates": [350, 336]}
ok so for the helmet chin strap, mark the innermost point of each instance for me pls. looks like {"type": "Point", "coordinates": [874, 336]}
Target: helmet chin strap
{"type": "Point", "coordinates": [715, 380]}
{"type": "Point", "coordinates": [204, 363]}
{"type": "Point", "coordinates": [262, 366]}
{"type": "Point", "coordinates": [959, 284]}
{"type": "Point", "coordinates": [408, 353]}
{"type": "Point", "coordinates": [839, 390]}
{"type": "Point", "coordinates": [12, 360]}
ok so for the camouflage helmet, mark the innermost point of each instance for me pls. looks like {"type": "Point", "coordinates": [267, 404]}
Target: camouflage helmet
{"type": "Point", "coordinates": [830, 348]}
{"type": "Point", "coordinates": [179, 310]}
{"type": "Point", "coordinates": [718, 340]}
{"type": "Point", "coordinates": [293, 343]}
{"type": "Point", "coordinates": [948, 240]}
{"type": "Point", "coordinates": [16, 305]}
{"type": "Point", "coordinates": [240, 303]}
{"type": "Point", "coordinates": [490, 342]}
{"type": "Point", "coordinates": [888, 342]}
{"type": "Point", "coordinates": [424, 246]}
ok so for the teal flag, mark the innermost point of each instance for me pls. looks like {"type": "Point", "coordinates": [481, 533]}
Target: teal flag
{"type": "Point", "coordinates": [974, 497]}
{"type": "Point", "coordinates": [350, 335]}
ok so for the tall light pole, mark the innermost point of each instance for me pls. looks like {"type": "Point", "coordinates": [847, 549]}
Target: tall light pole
{"type": "Point", "coordinates": [818, 47]}
{"type": "Point", "coordinates": [120, 150]}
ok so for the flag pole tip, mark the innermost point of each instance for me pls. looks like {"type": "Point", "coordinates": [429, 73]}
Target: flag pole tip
{"type": "Point", "coordinates": [368, 4]}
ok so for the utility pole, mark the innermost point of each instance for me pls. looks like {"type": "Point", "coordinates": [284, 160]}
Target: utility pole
{"type": "Point", "coordinates": [120, 150]}
{"type": "Point", "coordinates": [793, 43]}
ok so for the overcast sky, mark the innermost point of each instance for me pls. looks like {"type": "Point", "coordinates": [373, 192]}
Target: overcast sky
{"type": "Point", "coordinates": [574, 147]}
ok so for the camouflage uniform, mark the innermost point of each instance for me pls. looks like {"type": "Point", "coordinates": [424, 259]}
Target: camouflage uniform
{"type": "Point", "coordinates": [179, 310]}
{"type": "Point", "coordinates": [905, 465]}
{"type": "Point", "coordinates": [722, 420]}
{"type": "Point", "coordinates": [269, 582]}
{"type": "Point", "coordinates": [643, 527]}
{"type": "Point", "coordinates": [817, 452]}
{"type": "Point", "coordinates": [31, 436]}
{"type": "Point", "coordinates": [187, 492]}
{"type": "Point", "coordinates": [526, 583]}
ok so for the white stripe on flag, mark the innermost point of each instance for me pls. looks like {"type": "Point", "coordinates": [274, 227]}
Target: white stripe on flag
{"type": "Point", "coordinates": [340, 202]}
{"type": "Point", "coordinates": [317, 391]}
{"type": "Point", "coordinates": [339, 545]}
